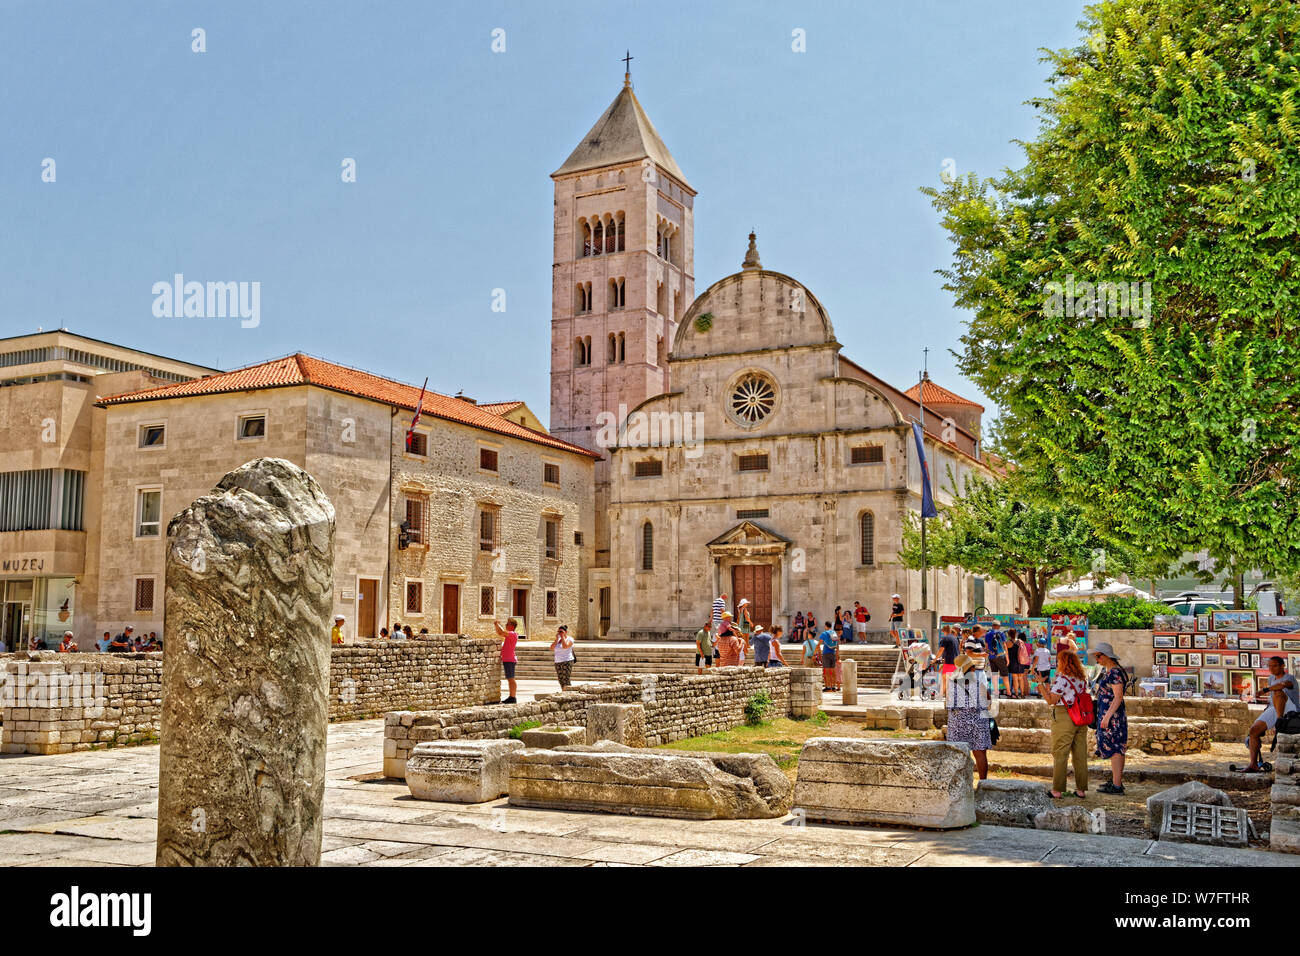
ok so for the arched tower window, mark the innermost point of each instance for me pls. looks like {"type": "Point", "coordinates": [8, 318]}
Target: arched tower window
{"type": "Point", "coordinates": [598, 237]}
{"type": "Point", "coordinates": [621, 227]}
{"type": "Point", "coordinates": [613, 349]}
{"type": "Point", "coordinates": [584, 235]}
{"type": "Point", "coordinates": [647, 547]}
{"type": "Point", "coordinates": [622, 348]}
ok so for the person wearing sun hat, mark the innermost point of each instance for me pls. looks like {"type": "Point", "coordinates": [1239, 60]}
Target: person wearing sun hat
{"type": "Point", "coordinates": [1112, 721]}
{"type": "Point", "coordinates": [336, 635]}
{"type": "Point", "coordinates": [744, 627]}
{"type": "Point", "coordinates": [968, 703]}
{"type": "Point", "coordinates": [729, 643]}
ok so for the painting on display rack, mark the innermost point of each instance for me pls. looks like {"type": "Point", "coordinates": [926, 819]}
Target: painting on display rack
{"type": "Point", "coordinates": [1234, 620]}
{"type": "Point", "coordinates": [1214, 682]}
{"type": "Point", "coordinates": [1184, 683]}
{"type": "Point", "coordinates": [1241, 684]}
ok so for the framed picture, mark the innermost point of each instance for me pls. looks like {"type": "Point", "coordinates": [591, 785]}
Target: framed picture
{"type": "Point", "coordinates": [1162, 657]}
{"type": "Point", "coordinates": [1229, 660]}
{"type": "Point", "coordinates": [1164, 640]}
{"type": "Point", "coordinates": [1234, 620]}
{"type": "Point", "coordinates": [1230, 641]}
{"type": "Point", "coordinates": [1248, 643]}
{"type": "Point", "coordinates": [1184, 640]}
{"type": "Point", "coordinates": [1219, 640]}
{"type": "Point", "coordinates": [1159, 672]}
{"type": "Point", "coordinates": [1255, 661]}
{"type": "Point", "coordinates": [1214, 682]}
{"type": "Point", "coordinates": [1289, 644]}
{"type": "Point", "coordinates": [1270, 643]}
{"type": "Point", "coordinates": [1194, 659]}
{"type": "Point", "coordinates": [1184, 684]}
{"type": "Point", "coordinates": [1212, 660]}
{"type": "Point", "coordinates": [1203, 622]}
{"type": "Point", "coordinates": [1241, 684]}
{"type": "Point", "coordinates": [1200, 640]}
{"type": "Point", "coordinates": [1177, 660]}
{"type": "Point", "coordinates": [1293, 661]}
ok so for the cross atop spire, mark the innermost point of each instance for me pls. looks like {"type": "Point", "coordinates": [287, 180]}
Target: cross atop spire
{"type": "Point", "coordinates": [627, 69]}
{"type": "Point", "coordinates": [751, 254]}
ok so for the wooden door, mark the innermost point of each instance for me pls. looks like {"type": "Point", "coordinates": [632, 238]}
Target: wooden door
{"type": "Point", "coordinates": [754, 581]}
{"type": "Point", "coordinates": [451, 609]}
{"type": "Point", "coordinates": [367, 608]}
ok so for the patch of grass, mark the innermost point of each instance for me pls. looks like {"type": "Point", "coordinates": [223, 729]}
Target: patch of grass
{"type": "Point", "coordinates": [821, 718]}
{"type": "Point", "coordinates": [517, 730]}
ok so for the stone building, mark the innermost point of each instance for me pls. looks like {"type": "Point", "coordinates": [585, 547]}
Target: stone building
{"type": "Point", "coordinates": [481, 517]}
{"type": "Point", "coordinates": [51, 473]}
{"type": "Point", "coordinates": [746, 454]}
{"type": "Point", "coordinates": [791, 486]}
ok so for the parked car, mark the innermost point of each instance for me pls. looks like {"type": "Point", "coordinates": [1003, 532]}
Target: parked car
{"type": "Point", "coordinates": [1192, 605]}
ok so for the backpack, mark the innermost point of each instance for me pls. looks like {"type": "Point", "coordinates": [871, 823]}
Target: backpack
{"type": "Point", "coordinates": [1082, 712]}
{"type": "Point", "coordinates": [1025, 654]}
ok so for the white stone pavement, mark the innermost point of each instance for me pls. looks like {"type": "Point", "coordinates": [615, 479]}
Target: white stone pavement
{"type": "Point", "coordinates": [98, 809]}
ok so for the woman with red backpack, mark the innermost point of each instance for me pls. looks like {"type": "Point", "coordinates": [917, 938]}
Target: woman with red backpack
{"type": "Point", "coordinates": [1072, 713]}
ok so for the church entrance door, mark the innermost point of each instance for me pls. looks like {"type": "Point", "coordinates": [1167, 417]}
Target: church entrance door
{"type": "Point", "coordinates": [754, 581]}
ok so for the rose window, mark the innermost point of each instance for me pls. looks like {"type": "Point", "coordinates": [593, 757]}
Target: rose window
{"type": "Point", "coordinates": [753, 399]}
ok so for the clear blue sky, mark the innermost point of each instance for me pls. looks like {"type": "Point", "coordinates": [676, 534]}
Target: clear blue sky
{"type": "Point", "coordinates": [225, 165]}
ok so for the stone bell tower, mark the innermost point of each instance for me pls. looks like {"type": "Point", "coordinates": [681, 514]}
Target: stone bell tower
{"type": "Point", "coordinates": [623, 275]}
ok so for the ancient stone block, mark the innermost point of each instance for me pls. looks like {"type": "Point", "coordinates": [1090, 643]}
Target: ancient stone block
{"type": "Point", "coordinates": [921, 783]}
{"type": "Point", "coordinates": [1193, 791]}
{"type": "Point", "coordinates": [460, 771]}
{"type": "Point", "coordinates": [1010, 803]}
{"type": "Point", "coordinates": [1072, 820]}
{"type": "Point", "coordinates": [246, 672]}
{"type": "Point", "coordinates": [551, 737]}
{"type": "Point", "coordinates": [1212, 825]}
{"type": "Point", "coordinates": [621, 723]}
{"type": "Point", "coordinates": [698, 786]}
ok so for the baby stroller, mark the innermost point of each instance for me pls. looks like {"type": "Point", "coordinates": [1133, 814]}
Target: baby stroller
{"type": "Point", "coordinates": [909, 673]}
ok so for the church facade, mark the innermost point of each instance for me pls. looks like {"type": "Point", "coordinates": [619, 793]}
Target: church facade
{"type": "Point", "coordinates": [744, 453]}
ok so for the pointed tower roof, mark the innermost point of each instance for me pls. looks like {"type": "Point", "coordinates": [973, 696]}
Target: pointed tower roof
{"type": "Point", "coordinates": [623, 134]}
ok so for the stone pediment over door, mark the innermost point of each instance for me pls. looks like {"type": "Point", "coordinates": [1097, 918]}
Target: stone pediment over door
{"type": "Point", "coordinates": [748, 539]}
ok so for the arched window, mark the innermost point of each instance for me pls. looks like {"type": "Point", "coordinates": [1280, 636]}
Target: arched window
{"type": "Point", "coordinates": [867, 531]}
{"type": "Point", "coordinates": [611, 237]}
{"type": "Point", "coordinates": [584, 229]}
{"type": "Point", "coordinates": [582, 351]}
{"type": "Point", "coordinates": [582, 298]}
{"type": "Point", "coordinates": [598, 238]}
{"type": "Point", "coordinates": [647, 547]}
{"type": "Point", "coordinates": [613, 349]}
{"type": "Point", "coordinates": [622, 348]}
{"type": "Point", "coordinates": [621, 225]}
{"type": "Point", "coordinates": [659, 351]}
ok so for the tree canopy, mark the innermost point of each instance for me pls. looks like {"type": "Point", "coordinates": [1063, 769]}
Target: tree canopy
{"type": "Point", "coordinates": [1168, 154]}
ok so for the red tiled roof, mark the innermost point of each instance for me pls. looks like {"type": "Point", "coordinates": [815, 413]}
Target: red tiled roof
{"type": "Point", "coordinates": [300, 369]}
{"type": "Point", "coordinates": [938, 395]}
{"type": "Point", "coordinates": [499, 408]}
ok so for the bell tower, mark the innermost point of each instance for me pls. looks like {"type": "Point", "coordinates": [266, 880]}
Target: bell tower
{"type": "Point", "coordinates": [623, 275]}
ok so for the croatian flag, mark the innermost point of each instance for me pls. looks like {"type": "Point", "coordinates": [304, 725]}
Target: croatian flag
{"type": "Point", "coordinates": [927, 502]}
{"type": "Point", "coordinates": [419, 407]}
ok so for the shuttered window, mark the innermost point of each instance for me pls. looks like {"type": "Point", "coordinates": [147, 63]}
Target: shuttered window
{"type": "Point", "coordinates": [867, 454]}
{"type": "Point", "coordinates": [647, 547]}
{"type": "Point", "coordinates": [753, 463]}
{"type": "Point", "coordinates": [868, 534]}
{"type": "Point", "coordinates": [414, 597]}
{"type": "Point", "coordinates": [144, 594]}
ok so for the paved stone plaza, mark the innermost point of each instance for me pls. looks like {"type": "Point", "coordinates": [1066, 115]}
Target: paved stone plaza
{"type": "Point", "coordinates": [98, 808]}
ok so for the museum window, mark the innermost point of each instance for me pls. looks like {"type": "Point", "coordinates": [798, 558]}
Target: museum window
{"type": "Point", "coordinates": [649, 468]}
{"type": "Point", "coordinates": [144, 588]}
{"type": "Point", "coordinates": [550, 473]}
{"type": "Point", "coordinates": [148, 513]}
{"type": "Point", "coordinates": [418, 445]}
{"type": "Point", "coordinates": [553, 538]}
{"type": "Point", "coordinates": [251, 427]}
{"type": "Point", "coordinates": [867, 532]}
{"type": "Point", "coordinates": [487, 529]}
{"type": "Point", "coordinates": [647, 547]}
{"type": "Point", "coordinates": [756, 462]}
{"type": "Point", "coordinates": [153, 436]}
{"type": "Point", "coordinates": [414, 597]}
{"type": "Point", "coordinates": [552, 604]}
{"type": "Point", "coordinates": [487, 459]}
{"type": "Point", "coordinates": [417, 508]}
{"type": "Point", "coordinates": [867, 454]}
{"type": "Point", "coordinates": [487, 600]}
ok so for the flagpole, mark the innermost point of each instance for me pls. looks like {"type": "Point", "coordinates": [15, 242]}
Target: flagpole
{"type": "Point", "coordinates": [925, 599]}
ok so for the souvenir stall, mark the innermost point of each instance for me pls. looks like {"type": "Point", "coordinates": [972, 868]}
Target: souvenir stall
{"type": "Point", "coordinates": [1222, 654]}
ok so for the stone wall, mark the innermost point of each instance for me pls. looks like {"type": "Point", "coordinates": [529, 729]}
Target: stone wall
{"type": "Point", "coordinates": [372, 677]}
{"type": "Point", "coordinates": [57, 703]}
{"type": "Point", "coordinates": [676, 707]}
{"type": "Point", "coordinates": [1133, 647]}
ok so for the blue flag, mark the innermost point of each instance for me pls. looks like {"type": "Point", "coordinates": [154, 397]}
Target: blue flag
{"type": "Point", "coordinates": [927, 501]}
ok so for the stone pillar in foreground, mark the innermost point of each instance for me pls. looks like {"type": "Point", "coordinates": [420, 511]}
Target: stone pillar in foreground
{"type": "Point", "coordinates": [849, 689]}
{"type": "Point", "coordinates": [250, 580]}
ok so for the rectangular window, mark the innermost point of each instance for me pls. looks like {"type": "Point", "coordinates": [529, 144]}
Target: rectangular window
{"type": "Point", "coordinates": [153, 436]}
{"type": "Point", "coordinates": [144, 594]}
{"type": "Point", "coordinates": [148, 513]}
{"type": "Point", "coordinates": [487, 530]}
{"type": "Point", "coordinates": [552, 538]}
{"type": "Point", "coordinates": [487, 459]}
{"type": "Point", "coordinates": [416, 507]}
{"type": "Point", "coordinates": [550, 473]}
{"type": "Point", "coordinates": [577, 538]}
{"type": "Point", "coordinates": [552, 604]}
{"type": "Point", "coordinates": [752, 513]}
{"type": "Point", "coordinates": [419, 445]}
{"type": "Point", "coordinates": [519, 605]}
{"type": "Point", "coordinates": [867, 454]}
{"type": "Point", "coordinates": [414, 597]}
{"type": "Point", "coordinates": [487, 601]}
{"type": "Point", "coordinates": [650, 468]}
{"type": "Point", "coordinates": [252, 426]}
{"type": "Point", "coordinates": [753, 463]}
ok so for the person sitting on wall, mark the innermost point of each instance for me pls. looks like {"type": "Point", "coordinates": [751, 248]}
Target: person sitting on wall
{"type": "Point", "coordinates": [336, 635]}
{"type": "Point", "coordinates": [1283, 698]}
{"type": "Point", "coordinates": [122, 643]}
{"type": "Point", "coordinates": [67, 645]}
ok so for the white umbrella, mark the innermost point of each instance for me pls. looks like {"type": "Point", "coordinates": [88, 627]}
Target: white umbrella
{"type": "Point", "coordinates": [1085, 589]}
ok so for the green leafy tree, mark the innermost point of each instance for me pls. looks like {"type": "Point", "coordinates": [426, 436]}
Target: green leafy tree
{"type": "Point", "coordinates": [1168, 154]}
{"type": "Point", "coordinates": [995, 528]}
